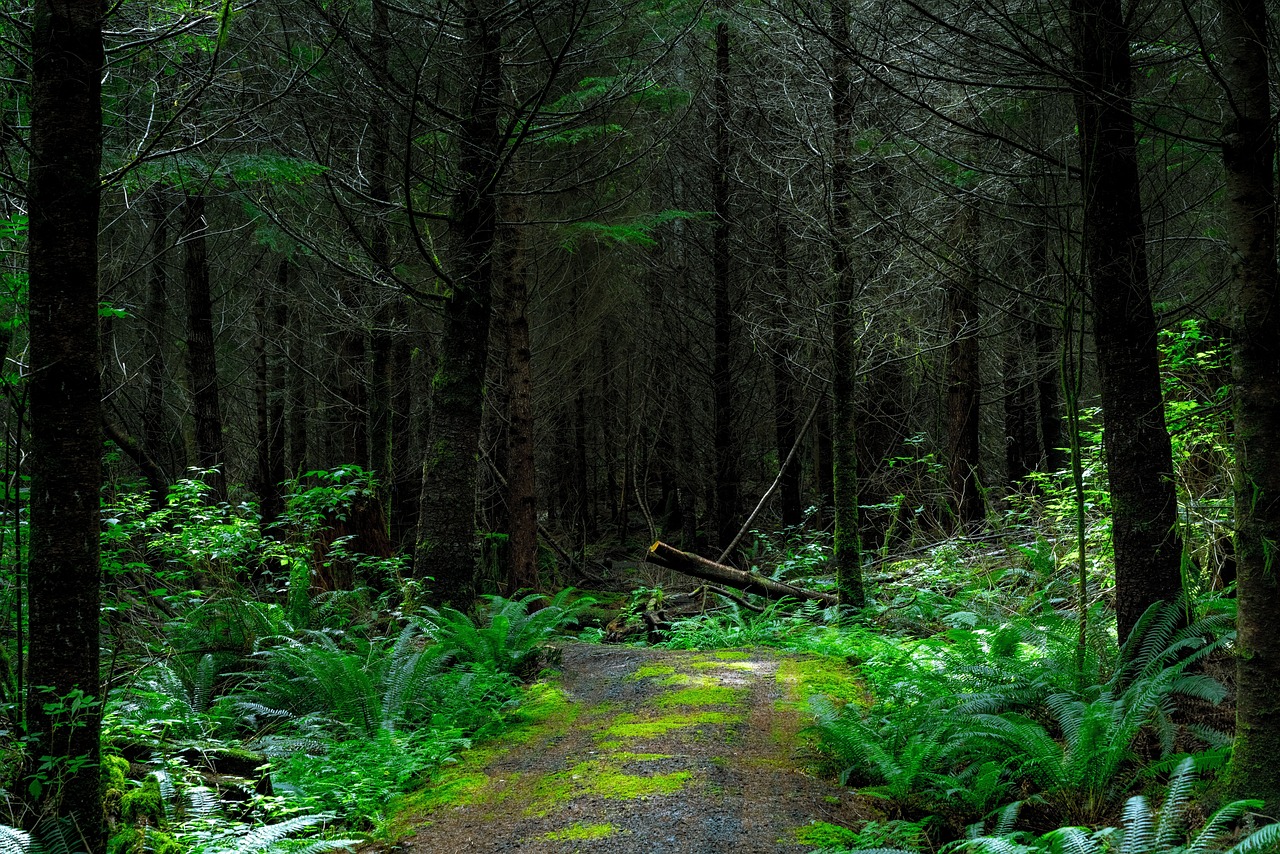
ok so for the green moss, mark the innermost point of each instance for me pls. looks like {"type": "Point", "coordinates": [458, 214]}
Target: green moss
{"type": "Point", "coordinates": [137, 840]}
{"type": "Point", "coordinates": [637, 757]}
{"type": "Point", "coordinates": [821, 834]}
{"type": "Point", "coordinates": [580, 831]}
{"type": "Point", "coordinates": [634, 726]}
{"type": "Point", "coordinates": [732, 655]}
{"type": "Point", "coordinates": [114, 769]}
{"type": "Point", "coordinates": [143, 806]}
{"type": "Point", "coordinates": [710, 695]}
{"type": "Point", "coordinates": [600, 779]}
{"type": "Point", "coordinates": [832, 677]}
{"type": "Point", "coordinates": [651, 671]}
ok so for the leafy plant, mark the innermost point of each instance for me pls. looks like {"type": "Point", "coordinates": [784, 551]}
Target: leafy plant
{"type": "Point", "coordinates": [506, 634]}
{"type": "Point", "coordinates": [1144, 829]}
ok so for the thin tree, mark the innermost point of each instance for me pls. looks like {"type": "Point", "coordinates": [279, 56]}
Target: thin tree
{"type": "Point", "coordinates": [63, 703]}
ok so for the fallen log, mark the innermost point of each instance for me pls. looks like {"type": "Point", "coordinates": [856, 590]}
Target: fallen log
{"type": "Point", "coordinates": [708, 570]}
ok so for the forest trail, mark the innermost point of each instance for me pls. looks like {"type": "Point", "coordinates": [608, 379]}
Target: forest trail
{"type": "Point", "coordinates": [642, 751]}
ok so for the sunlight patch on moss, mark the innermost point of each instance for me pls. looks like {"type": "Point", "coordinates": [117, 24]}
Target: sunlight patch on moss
{"type": "Point", "coordinates": [732, 655]}
{"type": "Point", "coordinates": [600, 779]}
{"type": "Point", "coordinates": [803, 677]}
{"type": "Point", "coordinates": [706, 695]}
{"type": "Point", "coordinates": [649, 671]}
{"type": "Point", "coordinates": [634, 726]}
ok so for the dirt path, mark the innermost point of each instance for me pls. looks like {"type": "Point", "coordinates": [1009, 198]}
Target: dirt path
{"type": "Point", "coordinates": [644, 751]}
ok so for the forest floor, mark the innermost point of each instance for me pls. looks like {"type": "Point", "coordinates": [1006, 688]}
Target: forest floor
{"type": "Point", "coordinates": [644, 750]}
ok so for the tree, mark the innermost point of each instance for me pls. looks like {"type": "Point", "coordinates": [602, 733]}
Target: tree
{"type": "Point", "coordinates": [63, 711]}
{"type": "Point", "coordinates": [847, 545]}
{"type": "Point", "coordinates": [1138, 453]}
{"type": "Point", "coordinates": [1248, 149]}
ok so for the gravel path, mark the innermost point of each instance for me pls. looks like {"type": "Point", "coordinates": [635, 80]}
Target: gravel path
{"type": "Point", "coordinates": [645, 751]}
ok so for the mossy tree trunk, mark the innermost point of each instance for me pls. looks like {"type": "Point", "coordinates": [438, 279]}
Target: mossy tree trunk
{"type": "Point", "coordinates": [844, 480]}
{"type": "Point", "coordinates": [446, 541]}
{"type": "Point", "coordinates": [1148, 550]}
{"type": "Point", "coordinates": [63, 703]}
{"type": "Point", "coordinates": [1249, 156]}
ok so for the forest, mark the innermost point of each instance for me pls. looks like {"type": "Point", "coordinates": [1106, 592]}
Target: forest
{"type": "Point", "coordinates": [639, 425]}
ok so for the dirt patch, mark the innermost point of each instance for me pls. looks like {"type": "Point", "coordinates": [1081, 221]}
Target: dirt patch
{"type": "Point", "coordinates": [648, 751]}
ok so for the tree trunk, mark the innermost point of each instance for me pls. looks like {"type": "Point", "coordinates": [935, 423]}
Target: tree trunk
{"type": "Point", "coordinates": [699, 567]}
{"type": "Point", "coordinates": [823, 465]}
{"type": "Point", "coordinates": [64, 701]}
{"type": "Point", "coordinates": [155, 432]}
{"type": "Point", "coordinates": [1021, 436]}
{"type": "Point", "coordinates": [273, 379]}
{"type": "Point", "coordinates": [202, 357]}
{"type": "Point", "coordinates": [296, 354]}
{"type": "Point", "coordinates": [1249, 156]}
{"type": "Point", "coordinates": [1049, 395]}
{"type": "Point", "coordinates": [522, 486]}
{"type": "Point", "coordinates": [783, 355]}
{"type": "Point", "coordinates": [722, 378]}
{"type": "Point", "coordinates": [1139, 459]}
{"type": "Point", "coordinates": [963, 380]}
{"type": "Point", "coordinates": [446, 546]}
{"type": "Point", "coordinates": [844, 333]}
{"type": "Point", "coordinates": [352, 386]}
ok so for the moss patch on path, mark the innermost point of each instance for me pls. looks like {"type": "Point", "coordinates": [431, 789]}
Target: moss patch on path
{"type": "Point", "coordinates": [638, 750]}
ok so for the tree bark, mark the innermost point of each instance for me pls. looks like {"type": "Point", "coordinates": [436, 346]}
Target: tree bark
{"type": "Point", "coordinates": [782, 356]}
{"type": "Point", "coordinates": [155, 432]}
{"type": "Point", "coordinates": [1148, 550]}
{"type": "Point", "coordinates": [64, 702]}
{"type": "Point", "coordinates": [699, 567]}
{"type": "Point", "coordinates": [844, 370]}
{"type": "Point", "coordinates": [722, 378]}
{"type": "Point", "coordinates": [446, 544]}
{"type": "Point", "coordinates": [522, 486]}
{"type": "Point", "coordinates": [202, 357]}
{"type": "Point", "coordinates": [1249, 151]}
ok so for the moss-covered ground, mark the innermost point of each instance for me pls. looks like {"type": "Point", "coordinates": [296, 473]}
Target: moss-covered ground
{"type": "Point", "coordinates": [641, 750]}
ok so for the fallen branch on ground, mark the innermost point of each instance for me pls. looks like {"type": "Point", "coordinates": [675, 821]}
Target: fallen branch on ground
{"type": "Point", "coordinates": [708, 570]}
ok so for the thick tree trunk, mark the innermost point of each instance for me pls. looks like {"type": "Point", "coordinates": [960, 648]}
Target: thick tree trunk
{"type": "Point", "coordinates": [1249, 156]}
{"type": "Point", "coordinates": [1139, 459]}
{"type": "Point", "coordinates": [963, 391]}
{"type": "Point", "coordinates": [823, 465]}
{"type": "Point", "coordinates": [63, 703]}
{"type": "Point", "coordinates": [722, 378]}
{"type": "Point", "coordinates": [844, 369]}
{"type": "Point", "coordinates": [202, 357]}
{"type": "Point", "coordinates": [446, 545]}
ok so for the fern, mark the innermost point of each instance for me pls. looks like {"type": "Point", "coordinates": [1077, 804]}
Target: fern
{"type": "Point", "coordinates": [276, 839]}
{"type": "Point", "coordinates": [506, 634]}
{"type": "Point", "coordinates": [1143, 830]}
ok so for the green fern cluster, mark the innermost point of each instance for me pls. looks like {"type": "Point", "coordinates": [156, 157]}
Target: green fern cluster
{"type": "Point", "coordinates": [506, 635]}
{"type": "Point", "coordinates": [963, 723]}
